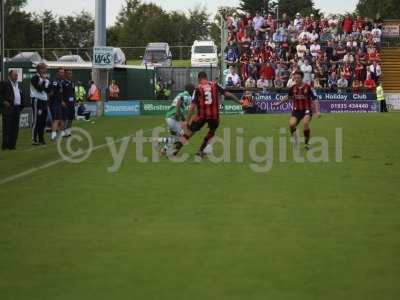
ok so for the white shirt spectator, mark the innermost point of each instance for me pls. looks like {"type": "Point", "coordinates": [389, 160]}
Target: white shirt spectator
{"type": "Point", "coordinates": [272, 45]}
{"type": "Point", "coordinates": [234, 77]}
{"type": "Point", "coordinates": [376, 69]}
{"type": "Point", "coordinates": [250, 83]}
{"type": "Point", "coordinates": [377, 34]}
{"type": "Point", "coordinates": [301, 50]}
{"type": "Point", "coordinates": [17, 94]}
{"type": "Point", "coordinates": [304, 36]}
{"type": "Point", "coordinates": [365, 33]}
{"type": "Point", "coordinates": [258, 22]}
{"type": "Point", "coordinates": [315, 49]}
{"type": "Point", "coordinates": [349, 58]}
{"type": "Point", "coordinates": [298, 23]}
{"type": "Point", "coordinates": [314, 36]}
{"type": "Point", "coordinates": [352, 44]}
{"type": "Point", "coordinates": [342, 83]}
{"type": "Point", "coordinates": [262, 83]}
{"type": "Point", "coordinates": [333, 21]}
{"type": "Point", "coordinates": [307, 70]}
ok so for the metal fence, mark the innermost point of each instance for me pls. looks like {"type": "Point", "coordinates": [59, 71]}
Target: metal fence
{"type": "Point", "coordinates": [131, 53]}
{"type": "Point", "coordinates": [393, 42]}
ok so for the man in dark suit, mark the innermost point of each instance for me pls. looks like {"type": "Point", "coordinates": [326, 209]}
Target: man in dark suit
{"type": "Point", "coordinates": [12, 105]}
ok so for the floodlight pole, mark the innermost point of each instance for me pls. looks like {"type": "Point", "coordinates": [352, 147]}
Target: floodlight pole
{"type": "Point", "coordinates": [100, 40]}
{"type": "Point", "coordinates": [223, 45]}
{"type": "Point", "coordinates": [2, 39]}
{"type": "Point", "coordinates": [43, 40]}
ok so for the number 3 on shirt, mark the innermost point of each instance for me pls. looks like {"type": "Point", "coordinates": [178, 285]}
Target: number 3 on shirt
{"type": "Point", "coordinates": [208, 96]}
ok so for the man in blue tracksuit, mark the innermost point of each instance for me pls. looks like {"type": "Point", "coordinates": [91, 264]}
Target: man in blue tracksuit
{"type": "Point", "coordinates": [68, 105]}
{"type": "Point", "coordinates": [57, 104]}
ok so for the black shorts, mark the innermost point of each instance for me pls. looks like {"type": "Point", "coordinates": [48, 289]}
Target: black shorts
{"type": "Point", "coordinates": [69, 112]}
{"type": "Point", "coordinates": [56, 111]}
{"type": "Point", "coordinates": [301, 114]}
{"type": "Point", "coordinates": [198, 124]}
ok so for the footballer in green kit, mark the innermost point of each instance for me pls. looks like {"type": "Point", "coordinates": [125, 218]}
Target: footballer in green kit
{"type": "Point", "coordinates": [174, 117]}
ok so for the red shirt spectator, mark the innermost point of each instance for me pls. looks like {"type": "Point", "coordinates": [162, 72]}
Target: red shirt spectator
{"type": "Point", "coordinates": [347, 25]}
{"type": "Point", "coordinates": [231, 36]}
{"type": "Point", "coordinates": [271, 23]}
{"type": "Point", "coordinates": [245, 59]}
{"type": "Point", "coordinates": [359, 71]}
{"type": "Point", "coordinates": [243, 22]}
{"type": "Point", "coordinates": [244, 71]}
{"type": "Point", "coordinates": [308, 24]}
{"type": "Point", "coordinates": [360, 24]}
{"type": "Point", "coordinates": [323, 23]}
{"type": "Point", "coordinates": [241, 35]}
{"type": "Point", "coordinates": [346, 71]}
{"type": "Point", "coordinates": [357, 85]}
{"type": "Point", "coordinates": [370, 84]}
{"type": "Point", "coordinates": [266, 55]}
{"type": "Point", "coordinates": [360, 56]}
{"type": "Point", "coordinates": [256, 55]}
{"type": "Point", "coordinates": [267, 71]}
{"type": "Point", "coordinates": [374, 56]}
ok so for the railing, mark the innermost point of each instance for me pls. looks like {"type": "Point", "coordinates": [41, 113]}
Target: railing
{"type": "Point", "coordinates": [131, 53]}
{"type": "Point", "coordinates": [393, 42]}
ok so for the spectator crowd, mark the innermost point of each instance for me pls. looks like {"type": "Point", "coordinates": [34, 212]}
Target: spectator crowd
{"type": "Point", "coordinates": [337, 54]}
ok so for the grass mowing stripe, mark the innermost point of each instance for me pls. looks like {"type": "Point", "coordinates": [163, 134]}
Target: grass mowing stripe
{"type": "Point", "coordinates": [55, 162]}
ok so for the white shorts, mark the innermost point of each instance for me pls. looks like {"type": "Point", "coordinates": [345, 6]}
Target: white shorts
{"type": "Point", "coordinates": [174, 125]}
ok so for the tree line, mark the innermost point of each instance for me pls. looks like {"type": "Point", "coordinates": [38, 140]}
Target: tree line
{"type": "Point", "coordinates": [373, 9]}
{"type": "Point", "coordinates": [139, 23]}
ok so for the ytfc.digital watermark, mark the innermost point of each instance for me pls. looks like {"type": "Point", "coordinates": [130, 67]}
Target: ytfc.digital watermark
{"type": "Point", "coordinates": [260, 153]}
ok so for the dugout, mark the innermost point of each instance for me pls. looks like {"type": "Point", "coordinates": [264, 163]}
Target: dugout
{"type": "Point", "coordinates": [135, 82]}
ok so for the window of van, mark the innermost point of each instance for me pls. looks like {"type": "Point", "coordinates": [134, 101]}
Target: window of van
{"type": "Point", "coordinates": [204, 49]}
{"type": "Point", "coordinates": [155, 55]}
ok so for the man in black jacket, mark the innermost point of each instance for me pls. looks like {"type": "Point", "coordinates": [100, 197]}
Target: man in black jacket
{"type": "Point", "coordinates": [68, 106]}
{"type": "Point", "coordinates": [40, 86]}
{"type": "Point", "coordinates": [57, 104]}
{"type": "Point", "coordinates": [12, 104]}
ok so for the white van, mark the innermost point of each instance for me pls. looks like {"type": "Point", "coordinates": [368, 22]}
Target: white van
{"type": "Point", "coordinates": [204, 54]}
{"type": "Point", "coordinates": [157, 55]}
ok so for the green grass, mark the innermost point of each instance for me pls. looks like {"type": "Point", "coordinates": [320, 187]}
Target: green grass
{"type": "Point", "coordinates": [185, 63]}
{"type": "Point", "coordinates": [205, 231]}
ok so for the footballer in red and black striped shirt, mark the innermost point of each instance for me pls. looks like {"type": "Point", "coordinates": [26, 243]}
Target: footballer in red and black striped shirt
{"type": "Point", "coordinates": [305, 103]}
{"type": "Point", "coordinates": [206, 101]}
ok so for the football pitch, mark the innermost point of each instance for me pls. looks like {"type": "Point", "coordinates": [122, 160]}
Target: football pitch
{"type": "Point", "coordinates": [165, 230]}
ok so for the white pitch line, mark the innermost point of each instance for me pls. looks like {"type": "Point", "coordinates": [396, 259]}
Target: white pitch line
{"type": "Point", "coordinates": [56, 162]}
{"type": "Point", "coordinates": [47, 165]}
{"type": "Point", "coordinates": [30, 171]}
{"type": "Point", "coordinates": [33, 149]}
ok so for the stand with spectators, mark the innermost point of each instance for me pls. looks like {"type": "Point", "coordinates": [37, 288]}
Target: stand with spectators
{"type": "Point", "coordinates": [334, 54]}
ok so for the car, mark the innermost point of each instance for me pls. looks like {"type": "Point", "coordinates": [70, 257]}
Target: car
{"type": "Point", "coordinates": [33, 57]}
{"type": "Point", "coordinates": [157, 55]}
{"type": "Point", "coordinates": [119, 57]}
{"type": "Point", "coordinates": [204, 54]}
{"type": "Point", "coordinates": [71, 59]}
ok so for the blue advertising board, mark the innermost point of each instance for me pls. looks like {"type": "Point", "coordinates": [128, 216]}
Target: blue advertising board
{"type": "Point", "coordinates": [122, 108]}
{"type": "Point", "coordinates": [329, 102]}
{"type": "Point", "coordinates": [92, 107]}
